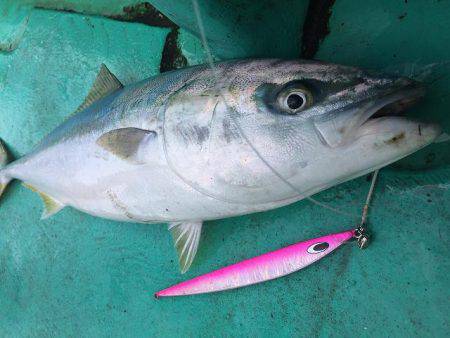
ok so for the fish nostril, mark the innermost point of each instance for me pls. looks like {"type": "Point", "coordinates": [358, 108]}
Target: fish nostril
{"type": "Point", "coordinates": [411, 83]}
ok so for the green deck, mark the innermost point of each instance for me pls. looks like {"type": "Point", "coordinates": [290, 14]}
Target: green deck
{"type": "Point", "coordinates": [75, 275]}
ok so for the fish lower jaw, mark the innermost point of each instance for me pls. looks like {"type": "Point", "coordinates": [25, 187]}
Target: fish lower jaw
{"type": "Point", "coordinates": [399, 131]}
{"type": "Point", "coordinates": [390, 161]}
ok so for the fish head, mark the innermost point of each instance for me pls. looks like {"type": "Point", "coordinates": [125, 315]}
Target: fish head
{"type": "Point", "coordinates": [249, 131]}
{"type": "Point", "coordinates": [325, 122]}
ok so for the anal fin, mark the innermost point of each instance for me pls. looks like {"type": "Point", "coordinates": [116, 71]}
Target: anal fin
{"type": "Point", "coordinates": [186, 236]}
{"type": "Point", "coordinates": [51, 205]}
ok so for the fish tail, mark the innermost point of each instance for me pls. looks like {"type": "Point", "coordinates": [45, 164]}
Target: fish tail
{"type": "Point", "coordinates": [4, 178]}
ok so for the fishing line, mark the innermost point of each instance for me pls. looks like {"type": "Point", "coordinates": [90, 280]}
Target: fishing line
{"type": "Point", "coordinates": [361, 234]}
{"type": "Point", "coordinates": [210, 62]}
{"type": "Point", "coordinates": [425, 73]}
{"type": "Point", "coordinates": [369, 197]}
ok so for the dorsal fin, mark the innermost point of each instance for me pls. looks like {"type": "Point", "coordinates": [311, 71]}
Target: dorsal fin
{"type": "Point", "coordinates": [186, 236]}
{"type": "Point", "coordinates": [105, 83]}
{"type": "Point", "coordinates": [51, 206]}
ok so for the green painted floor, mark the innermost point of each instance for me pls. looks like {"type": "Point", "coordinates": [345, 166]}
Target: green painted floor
{"type": "Point", "coordinates": [78, 276]}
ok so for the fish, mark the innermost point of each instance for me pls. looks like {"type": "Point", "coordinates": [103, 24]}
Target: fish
{"type": "Point", "coordinates": [201, 143]}
{"type": "Point", "coordinates": [261, 268]}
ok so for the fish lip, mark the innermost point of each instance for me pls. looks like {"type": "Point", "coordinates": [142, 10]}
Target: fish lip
{"type": "Point", "coordinates": [348, 122]}
{"type": "Point", "coordinates": [393, 103]}
{"type": "Point", "coordinates": [386, 102]}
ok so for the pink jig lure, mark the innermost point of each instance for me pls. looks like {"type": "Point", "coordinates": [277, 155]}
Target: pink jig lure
{"type": "Point", "coordinates": [262, 268]}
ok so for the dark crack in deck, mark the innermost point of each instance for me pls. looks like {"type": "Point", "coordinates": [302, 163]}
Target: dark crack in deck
{"type": "Point", "coordinates": [315, 27]}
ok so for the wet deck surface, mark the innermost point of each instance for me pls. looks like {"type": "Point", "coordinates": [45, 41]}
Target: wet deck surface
{"type": "Point", "coordinates": [75, 275]}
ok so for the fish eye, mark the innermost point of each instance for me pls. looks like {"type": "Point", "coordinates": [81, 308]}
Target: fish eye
{"type": "Point", "coordinates": [295, 100]}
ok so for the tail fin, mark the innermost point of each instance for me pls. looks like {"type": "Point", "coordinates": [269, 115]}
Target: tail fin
{"type": "Point", "coordinates": [4, 179]}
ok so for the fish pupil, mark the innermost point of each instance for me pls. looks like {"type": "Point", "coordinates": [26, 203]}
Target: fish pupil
{"type": "Point", "coordinates": [321, 246]}
{"type": "Point", "coordinates": [295, 101]}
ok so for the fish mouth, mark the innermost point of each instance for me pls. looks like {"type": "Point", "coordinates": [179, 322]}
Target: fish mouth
{"type": "Point", "coordinates": [385, 117]}
{"type": "Point", "coordinates": [393, 104]}
{"type": "Point", "coordinates": [370, 116]}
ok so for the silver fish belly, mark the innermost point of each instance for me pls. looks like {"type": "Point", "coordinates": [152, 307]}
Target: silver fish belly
{"type": "Point", "coordinates": [199, 144]}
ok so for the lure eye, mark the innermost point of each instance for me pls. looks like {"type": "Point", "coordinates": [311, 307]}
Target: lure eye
{"type": "Point", "coordinates": [318, 247]}
{"type": "Point", "coordinates": [294, 100]}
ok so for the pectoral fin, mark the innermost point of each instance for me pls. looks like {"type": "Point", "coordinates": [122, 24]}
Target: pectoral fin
{"type": "Point", "coordinates": [51, 205]}
{"type": "Point", "coordinates": [105, 83]}
{"type": "Point", "coordinates": [186, 236]}
{"type": "Point", "coordinates": [131, 144]}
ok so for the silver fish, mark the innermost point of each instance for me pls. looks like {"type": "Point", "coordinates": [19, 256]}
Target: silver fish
{"type": "Point", "coordinates": [200, 144]}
